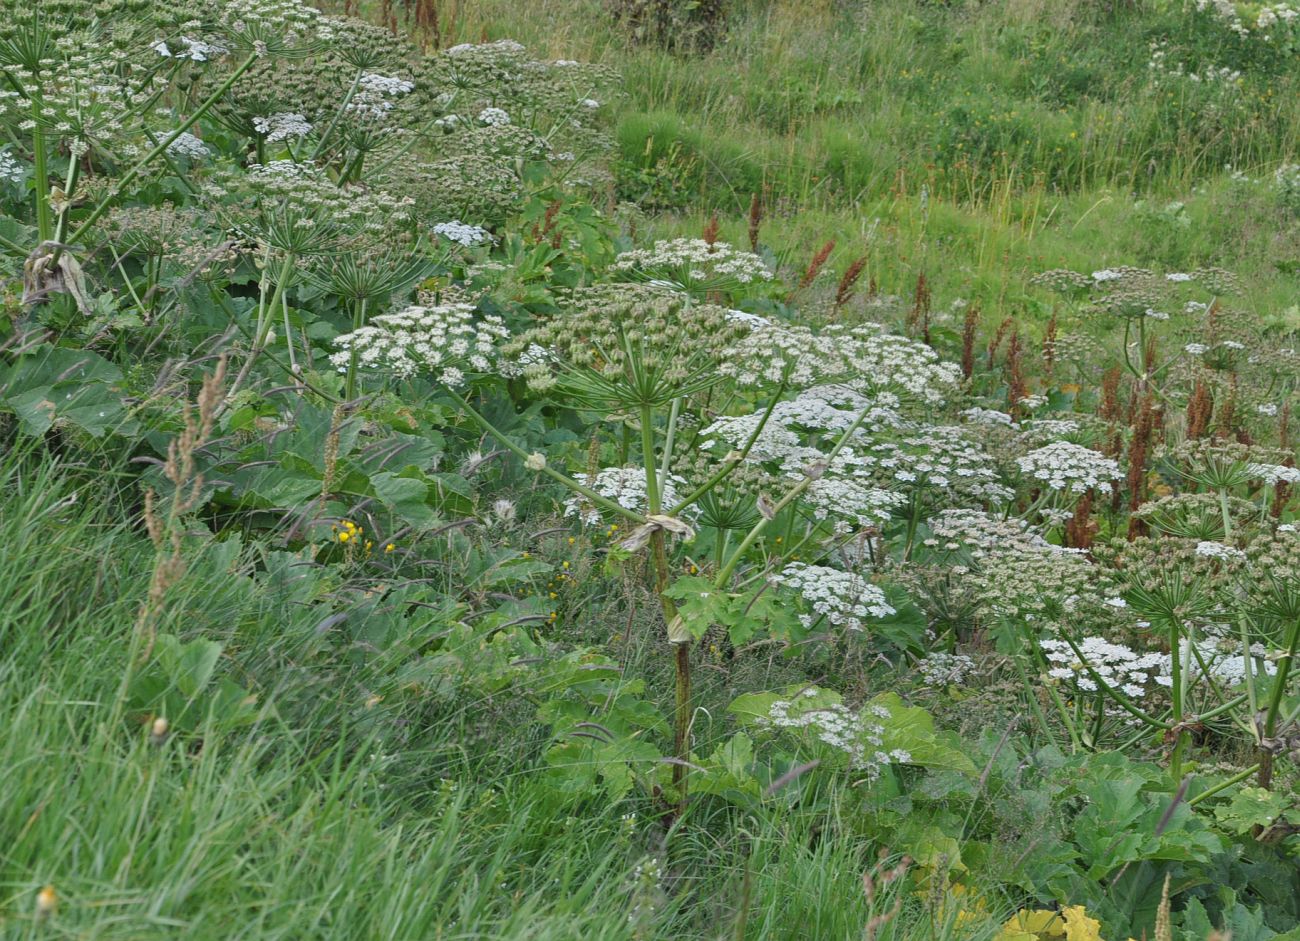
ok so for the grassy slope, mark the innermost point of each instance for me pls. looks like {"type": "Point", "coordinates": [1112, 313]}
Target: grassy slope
{"type": "Point", "coordinates": [309, 826]}
{"type": "Point", "coordinates": [852, 119]}
{"type": "Point", "coordinates": [286, 833]}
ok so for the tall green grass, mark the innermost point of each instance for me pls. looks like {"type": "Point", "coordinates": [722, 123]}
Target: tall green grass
{"type": "Point", "coordinates": [977, 143]}
{"type": "Point", "coordinates": [307, 823]}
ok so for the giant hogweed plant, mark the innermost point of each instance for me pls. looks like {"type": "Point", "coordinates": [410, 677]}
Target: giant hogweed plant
{"type": "Point", "coordinates": [275, 133]}
{"type": "Point", "coordinates": [794, 466]}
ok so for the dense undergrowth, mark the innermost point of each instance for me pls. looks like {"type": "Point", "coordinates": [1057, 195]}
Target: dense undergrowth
{"type": "Point", "coordinates": [649, 470]}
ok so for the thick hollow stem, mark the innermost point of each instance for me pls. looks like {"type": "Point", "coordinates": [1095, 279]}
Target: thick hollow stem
{"type": "Point", "coordinates": [1275, 703]}
{"type": "Point", "coordinates": [347, 100]}
{"type": "Point", "coordinates": [725, 573]}
{"type": "Point", "coordinates": [44, 225]}
{"type": "Point", "coordinates": [681, 645]}
{"type": "Point", "coordinates": [602, 502]}
{"type": "Point", "coordinates": [1176, 694]}
{"type": "Point", "coordinates": [264, 321]}
{"type": "Point", "coordinates": [358, 321]}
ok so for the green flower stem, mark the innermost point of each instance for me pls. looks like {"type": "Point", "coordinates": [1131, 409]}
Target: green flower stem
{"type": "Point", "coordinates": [652, 496]}
{"type": "Point", "coordinates": [265, 313]}
{"type": "Point", "coordinates": [223, 301]}
{"type": "Point", "coordinates": [126, 280]}
{"type": "Point", "coordinates": [288, 341]}
{"type": "Point", "coordinates": [347, 100]}
{"type": "Point", "coordinates": [353, 171]}
{"type": "Point", "coordinates": [1034, 705]}
{"type": "Point", "coordinates": [550, 472]}
{"type": "Point", "coordinates": [725, 574]}
{"type": "Point", "coordinates": [1249, 672]}
{"type": "Point", "coordinates": [135, 171]}
{"type": "Point", "coordinates": [12, 246]}
{"type": "Point", "coordinates": [1227, 706]}
{"type": "Point", "coordinates": [669, 440]}
{"type": "Point", "coordinates": [1176, 695]}
{"type": "Point", "coordinates": [1071, 722]}
{"type": "Point", "coordinates": [1105, 687]}
{"type": "Point", "coordinates": [1275, 701]}
{"type": "Point", "coordinates": [358, 321]}
{"type": "Point", "coordinates": [913, 520]}
{"type": "Point", "coordinates": [1223, 785]}
{"type": "Point", "coordinates": [1283, 672]}
{"type": "Point", "coordinates": [44, 225]}
{"type": "Point", "coordinates": [1218, 690]}
{"type": "Point", "coordinates": [1098, 722]}
{"type": "Point", "coordinates": [69, 187]}
{"type": "Point", "coordinates": [730, 464]}
{"type": "Point", "coordinates": [662, 576]}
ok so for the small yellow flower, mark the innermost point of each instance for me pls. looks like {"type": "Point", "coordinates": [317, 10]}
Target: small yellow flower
{"type": "Point", "coordinates": [47, 900]}
{"type": "Point", "coordinates": [390, 547]}
{"type": "Point", "coordinates": [344, 537]}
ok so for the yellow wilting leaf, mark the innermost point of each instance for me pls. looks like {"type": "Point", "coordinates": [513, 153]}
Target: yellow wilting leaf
{"type": "Point", "coordinates": [1070, 924]}
{"type": "Point", "coordinates": [1079, 927]}
{"type": "Point", "coordinates": [1028, 925]}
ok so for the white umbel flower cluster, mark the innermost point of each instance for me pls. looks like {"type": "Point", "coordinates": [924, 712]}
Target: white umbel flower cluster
{"type": "Point", "coordinates": [1272, 474]}
{"type": "Point", "coordinates": [858, 734]}
{"type": "Point", "coordinates": [625, 486]}
{"type": "Point", "coordinates": [374, 96]}
{"type": "Point", "coordinates": [462, 233]}
{"type": "Point", "coordinates": [981, 534]}
{"type": "Point", "coordinates": [196, 50]}
{"type": "Point", "coordinates": [185, 145]}
{"type": "Point", "coordinates": [826, 410]}
{"type": "Point", "coordinates": [1071, 468]}
{"type": "Point", "coordinates": [1217, 550]}
{"type": "Point", "coordinates": [861, 357]}
{"type": "Point", "coordinates": [494, 117]}
{"type": "Point", "coordinates": [842, 598]}
{"type": "Point", "coordinates": [791, 355]}
{"type": "Point", "coordinates": [941, 457]}
{"type": "Point", "coordinates": [987, 416]}
{"type": "Point", "coordinates": [878, 360]}
{"type": "Point", "coordinates": [849, 504]}
{"type": "Point", "coordinates": [1119, 667]}
{"type": "Point", "coordinates": [442, 340]}
{"type": "Point", "coordinates": [282, 126]}
{"type": "Point", "coordinates": [11, 171]}
{"type": "Point", "coordinates": [942, 669]}
{"type": "Point", "coordinates": [693, 263]}
{"type": "Point", "coordinates": [1140, 675]}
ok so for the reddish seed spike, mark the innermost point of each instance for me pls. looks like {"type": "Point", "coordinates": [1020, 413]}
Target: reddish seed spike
{"type": "Point", "coordinates": [817, 263]}
{"type": "Point", "coordinates": [844, 292]}
{"type": "Point", "coordinates": [711, 227]}
{"type": "Point", "coordinates": [755, 221]}
{"type": "Point", "coordinates": [970, 325]}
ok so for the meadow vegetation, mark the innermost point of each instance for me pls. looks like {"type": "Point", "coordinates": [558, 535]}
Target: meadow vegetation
{"type": "Point", "coordinates": [631, 469]}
